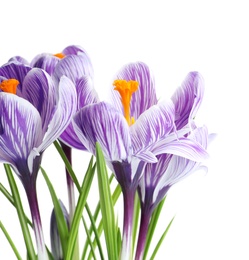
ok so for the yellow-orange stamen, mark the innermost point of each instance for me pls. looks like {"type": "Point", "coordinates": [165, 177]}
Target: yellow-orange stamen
{"type": "Point", "coordinates": [126, 89]}
{"type": "Point", "coordinates": [59, 55]}
{"type": "Point", "coordinates": [9, 85]}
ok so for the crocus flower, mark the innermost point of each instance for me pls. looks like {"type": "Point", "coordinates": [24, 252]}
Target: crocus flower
{"type": "Point", "coordinates": [159, 177]}
{"type": "Point", "coordinates": [169, 169]}
{"type": "Point", "coordinates": [127, 141]}
{"type": "Point", "coordinates": [74, 63]}
{"type": "Point", "coordinates": [34, 112]}
{"type": "Point", "coordinates": [56, 247]}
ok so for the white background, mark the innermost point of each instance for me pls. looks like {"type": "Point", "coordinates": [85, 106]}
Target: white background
{"type": "Point", "coordinates": [173, 38]}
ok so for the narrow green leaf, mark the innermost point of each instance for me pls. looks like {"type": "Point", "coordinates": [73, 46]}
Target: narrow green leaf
{"type": "Point", "coordinates": [89, 239]}
{"type": "Point", "coordinates": [97, 237]}
{"type": "Point", "coordinates": [67, 164]}
{"type": "Point", "coordinates": [161, 240]}
{"type": "Point", "coordinates": [98, 231]}
{"type": "Point", "coordinates": [152, 226]}
{"type": "Point", "coordinates": [20, 212]}
{"type": "Point", "coordinates": [79, 208]}
{"type": "Point", "coordinates": [60, 219]}
{"type": "Point", "coordinates": [10, 241]}
{"type": "Point", "coordinates": [135, 221]}
{"type": "Point", "coordinates": [106, 205]}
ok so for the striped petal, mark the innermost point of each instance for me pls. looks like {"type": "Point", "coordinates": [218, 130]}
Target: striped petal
{"type": "Point", "coordinates": [46, 62]}
{"type": "Point", "coordinates": [145, 96]}
{"type": "Point", "coordinates": [187, 99]}
{"type": "Point", "coordinates": [39, 90]}
{"type": "Point", "coordinates": [73, 50]}
{"type": "Point", "coordinates": [102, 123]}
{"type": "Point", "coordinates": [151, 126]}
{"type": "Point", "coordinates": [19, 59]}
{"type": "Point", "coordinates": [184, 147]}
{"type": "Point", "coordinates": [65, 109]}
{"type": "Point", "coordinates": [15, 70]}
{"type": "Point", "coordinates": [19, 120]}
{"type": "Point", "coordinates": [74, 67]}
{"type": "Point", "coordinates": [86, 95]}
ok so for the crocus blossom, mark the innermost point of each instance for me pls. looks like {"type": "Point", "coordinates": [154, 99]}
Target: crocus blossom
{"type": "Point", "coordinates": [32, 116]}
{"type": "Point", "coordinates": [74, 63]}
{"type": "Point", "coordinates": [127, 144]}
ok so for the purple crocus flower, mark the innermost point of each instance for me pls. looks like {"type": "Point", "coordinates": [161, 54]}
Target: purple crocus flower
{"type": "Point", "coordinates": [159, 177]}
{"type": "Point", "coordinates": [127, 142]}
{"type": "Point", "coordinates": [169, 169]}
{"type": "Point", "coordinates": [30, 121]}
{"type": "Point", "coordinates": [74, 63]}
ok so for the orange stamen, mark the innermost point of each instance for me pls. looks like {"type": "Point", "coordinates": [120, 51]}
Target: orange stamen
{"type": "Point", "coordinates": [59, 55]}
{"type": "Point", "coordinates": [126, 89]}
{"type": "Point", "coordinates": [9, 85]}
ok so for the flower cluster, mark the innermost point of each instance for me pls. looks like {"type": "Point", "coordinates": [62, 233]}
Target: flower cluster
{"type": "Point", "coordinates": [149, 145]}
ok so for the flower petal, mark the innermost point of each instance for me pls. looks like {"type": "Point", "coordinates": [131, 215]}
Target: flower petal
{"type": "Point", "coordinates": [187, 99]}
{"type": "Point", "coordinates": [73, 50]}
{"type": "Point", "coordinates": [145, 96]}
{"type": "Point", "coordinates": [39, 90]}
{"type": "Point", "coordinates": [46, 62]}
{"type": "Point", "coordinates": [152, 125]}
{"type": "Point", "coordinates": [74, 67]}
{"type": "Point", "coordinates": [86, 96]}
{"type": "Point", "coordinates": [15, 70]}
{"type": "Point", "coordinates": [66, 108]}
{"type": "Point", "coordinates": [102, 123]}
{"type": "Point", "coordinates": [20, 128]}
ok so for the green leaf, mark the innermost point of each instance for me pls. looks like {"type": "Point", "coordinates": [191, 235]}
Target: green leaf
{"type": "Point", "coordinates": [10, 241]}
{"type": "Point", "coordinates": [67, 164]}
{"type": "Point", "coordinates": [106, 205]}
{"type": "Point", "coordinates": [98, 231]}
{"type": "Point", "coordinates": [89, 239]}
{"type": "Point", "coordinates": [21, 215]}
{"type": "Point", "coordinates": [135, 221]}
{"type": "Point", "coordinates": [79, 208]}
{"type": "Point", "coordinates": [161, 240]}
{"type": "Point", "coordinates": [60, 219]}
{"type": "Point", "coordinates": [152, 226]}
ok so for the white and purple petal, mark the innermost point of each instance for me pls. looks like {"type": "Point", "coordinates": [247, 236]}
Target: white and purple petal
{"type": "Point", "coordinates": [74, 67]}
{"type": "Point", "coordinates": [64, 110]}
{"type": "Point", "coordinates": [15, 70]}
{"type": "Point", "coordinates": [145, 96]}
{"type": "Point", "coordinates": [46, 62]}
{"type": "Point", "coordinates": [86, 95]}
{"type": "Point", "coordinates": [102, 123]}
{"type": "Point", "coordinates": [18, 122]}
{"type": "Point", "coordinates": [39, 90]}
{"type": "Point", "coordinates": [154, 124]}
{"type": "Point", "coordinates": [73, 50]}
{"type": "Point", "coordinates": [187, 99]}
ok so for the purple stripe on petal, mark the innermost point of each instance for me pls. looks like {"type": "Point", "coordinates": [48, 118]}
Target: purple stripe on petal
{"type": "Point", "coordinates": [15, 70]}
{"type": "Point", "coordinates": [188, 98]}
{"type": "Point", "coordinates": [74, 67]}
{"type": "Point", "coordinates": [19, 59]}
{"type": "Point", "coordinates": [46, 62]}
{"type": "Point", "coordinates": [152, 125]}
{"type": "Point", "coordinates": [145, 96]}
{"type": "Point", "coordinates": [39, 90]}
{"type": "Point", "coordinates": [65, 109]}
{"type": "Point", "coordinates": [73, 50]}
{"type": "Point", "coordinates": [102, 123]}
{"type": "Point", "coordinates": [85, 91]}
{"type": "Point", "coordinates": [183, 147]}
{"type": "Point", "coordinates": [18, 122]}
